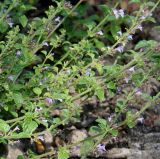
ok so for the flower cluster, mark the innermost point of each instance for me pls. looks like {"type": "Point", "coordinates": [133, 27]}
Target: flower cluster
{"type": "Point", "coordinates": [118, 13]}
{"type": "Point", "coordinates": [101, 148]}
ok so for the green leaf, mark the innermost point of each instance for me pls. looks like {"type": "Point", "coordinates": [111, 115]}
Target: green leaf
{"type": "Point", "coordinates": [63, 153]}
{"type": "Point", "coordinates": [120, 105]}
{"type": "Point", "coordinates": [23, 20]}
{"type": "Point", "coordinates": [135, 1]}
{"type": "Point", "coordinates": [29, 126]}
{"type": "Point", "coordinates": [114, 132]}
{"type": "Point", "coordinates": [100, 93]}
{"type": "Point", "coordinates": [105, 8]}
{"type": "Point", "coordinates": [21, 135]}
{"type": "Point", "coordinates": [37, 90]}
{"type": "Point", "coordinates": [99, 44]}
{"type": "Point", "coordinates": [145, 43]}
{"type": "Point", "coordinates": [130, 119]}
{"type": "Point", "coordinates": [3, 26]}
{"type": "Point", "coordinates": [151, 4]}
{"type": "Point", "coordinates": [111, 85]}
{"type": "Point", "coordinates": [4, 127]}
{"type": "Point", "coordinates": [94, 130]}
{"type": "Point", "coordinates": [86, 147]}
{"type": "Point", "coordinates": [102, 123]}
{"type": "Point", "coordinates": [18, 98]}
{"type": "Point", "coordinates": [20, 157]}
{"type": "Point", "coordinates": [99, 68]}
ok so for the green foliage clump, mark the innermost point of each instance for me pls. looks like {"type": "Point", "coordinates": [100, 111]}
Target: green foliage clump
{"type": "Point", "coordinates": [62, 58]}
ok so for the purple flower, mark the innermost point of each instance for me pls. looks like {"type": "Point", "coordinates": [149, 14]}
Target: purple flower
{"type": "Point", "coordinates": [68, 72]}
{"type": "Point", "coordinates": [88, 72]}
{"type": "Point", "coordinates": [119, 89]}
{"type": "Point", "coordinates": [132, 69]}
{"type": "Point", "coordinates": [118, 13]}
{"type": "Point", "coordinates": [58, 19]}
{"type": "Point", "coordinates": [129, 37]}
{"type": "Point", "coordinates": [99, 33]}
{"type": "Point", "coordinates": [121, 12]}
{"type": "Point", "coordinates": [16, 128]}
{"type": "Point", "coordinates": [110, 118]}
{"type": "Point", "coordinates": [49, 101]}
{"type": "Point", "coordinates": [140, 27]}
{"type": "Point", "coordinates": [119, 49]}
{"type": "Point", "coordinates": [140, 120]}
{"type": "Point", "coordinates": [61, 100]}
{"type": "Point", "coordinates": [119, 33]}
{"type": "Point", "coordinates": [68, 5]}
{"type": "Point", "coordinates": [45, 44]}
{"type": "Point", "coordinates": [142, 17]}
{"type": "Point", "coordinates": [101, 148]}
{"type": "Point", "coordinates": [41, 137]}
{"type": "Point", "coordinates": [9, 21]}
{"type": "Point", "coordinates": [126, 79]}
{"type": "Point", "coordinates": [11, 78]}
{"type": "Point", "coordinates": [115, 11]}
{"type": "Point", "coordinates": [38, 109]}
{"type": "Point", "coordinates": [10, 24]}
{"type": "Point", "coordinates": [138, 92]}
{"type": "Point", "coordinates": [18, 53]}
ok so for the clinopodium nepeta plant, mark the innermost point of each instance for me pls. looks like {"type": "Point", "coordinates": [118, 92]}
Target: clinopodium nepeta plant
{"type": "Point", "coordinates": [62, 59]}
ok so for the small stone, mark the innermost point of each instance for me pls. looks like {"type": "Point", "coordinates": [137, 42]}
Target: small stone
{"type": "Point", "coordinates": [76, 136]}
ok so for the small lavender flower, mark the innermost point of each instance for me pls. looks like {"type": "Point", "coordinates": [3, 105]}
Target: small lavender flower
{"type": "Point", "coordinates": [118, 13]}
{"type": "Point", "coordinates": [126, 79]}
{"type": "Point", "coordinates": [140, 27]}
{"type": "Point", "coordinates": [68, 5]}
{"type": "Point", "coordinates": [119, 49]}
{"type": "Point", "coordinates": [121, 12]}
{"type": "Point", "coordinates": [110, 118]}
{"type": "Point", "coordinates": [142, 49]}
{"type": "Point", "coordinates": [10, 24]}
{"type": "Point", "coordinates": [68, 72]}
{"type": "Point", "coordinates": [52, 53]}
{"type": "Point", "coordinates": [100, 33]}
{"type": "Point", "coordinates": [45, 120]}
{"type": "Point", "coordinates": [138, 92]}
{"type": "Point", "coordinates": [16, 128]}
{"type": "Point", "coordinates": [142, 17]}
{"type": "Point", "coordinates": [9, 20]}
{"type": "Point", "coordinates": [11, 78]}
{"type": "Point", "coordinates": [140, 120]}
{"type": "Point", "coordinates": [101, 148]}
{"type": "Point", "coordinates": [88, 72]}
{"type": "Point", "coordinates": [129, 37]}
{"type": "Point", "coordinates": [49, 101]}
{"type": "Point", "coordinates": [38, 109]}
{"type": "Point", "coordinates": [45, 44]}
{"type": "Point", "coordinates": [46, 68]}
{"type": "Point", "coordinates": [119, 33]}
{"type": "Point", "coordinates": [58, 19]}
{"type": "Point", "coordinates": [41, 137]}
{"type": "Point", "coordinates": [132, 69]}
{"type": "Point", "coordinates": [61, 100]}
{"type": "Point", "coordinates": [119, 90]}
{"type": "Point", "coordinates": [18, 53]}
{"type": "Point", "coordinates": [115, 11]}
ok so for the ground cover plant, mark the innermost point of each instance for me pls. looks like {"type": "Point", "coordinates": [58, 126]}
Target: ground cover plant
{"type": "Point", "coordinates": [60, 60]}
